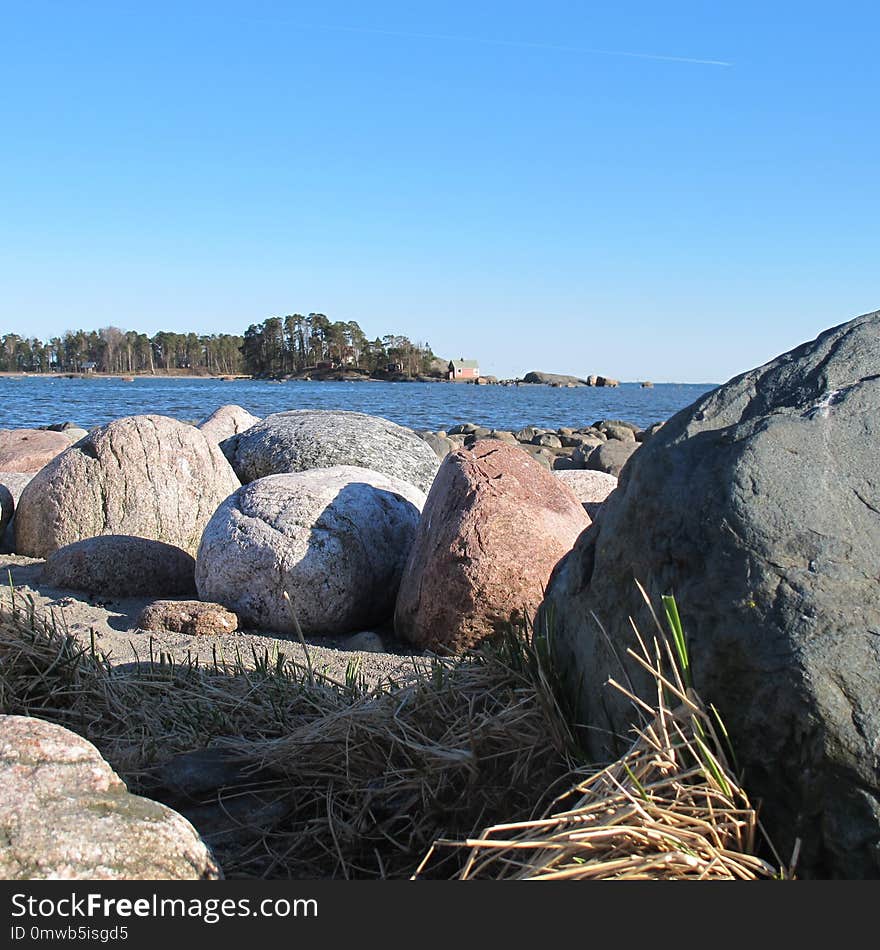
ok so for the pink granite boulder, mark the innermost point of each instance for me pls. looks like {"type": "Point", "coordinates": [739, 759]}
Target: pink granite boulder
{"type": "Point", "coordinates": [28, 450]}
{"type": "Point", "coordinates": [493, 528]}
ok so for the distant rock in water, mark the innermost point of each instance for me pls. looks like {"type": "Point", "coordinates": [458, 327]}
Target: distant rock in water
{"type": "Point", "coordinates": [759, 508]}
{"type": "Point", "coordinates": [560, 379]}
{"type": "Point", "coordinates": [553, 379]}
{"type": "Point", "coordinates": [304, 439]}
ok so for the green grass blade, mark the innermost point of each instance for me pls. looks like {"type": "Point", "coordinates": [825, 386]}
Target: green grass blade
{"type": "Point", "coordinates": [678, 639]}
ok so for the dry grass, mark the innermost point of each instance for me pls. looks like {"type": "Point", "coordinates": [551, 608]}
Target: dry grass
{"type": "Point", "coordinates": [363, 782]}
{"type": "Point", "coordinates": [670, 808]}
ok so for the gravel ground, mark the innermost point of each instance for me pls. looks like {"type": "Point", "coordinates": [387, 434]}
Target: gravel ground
{"type": "Point", "coordinates": [112, 625]}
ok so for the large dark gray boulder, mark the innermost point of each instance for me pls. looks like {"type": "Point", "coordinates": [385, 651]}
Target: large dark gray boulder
{"type": "Point", "coordinates": [303, 439]}
{"type": "Point", "coordinates": [759, 508]}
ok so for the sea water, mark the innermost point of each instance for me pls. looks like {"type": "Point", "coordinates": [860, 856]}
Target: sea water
{"type": "Point", "coordinates": [34, 401]}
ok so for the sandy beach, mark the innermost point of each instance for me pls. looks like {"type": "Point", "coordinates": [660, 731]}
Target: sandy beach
{"type": "Point", "coordinates": [112, 626]}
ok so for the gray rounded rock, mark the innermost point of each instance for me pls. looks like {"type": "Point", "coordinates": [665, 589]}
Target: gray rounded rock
{"type": "Point", "coordinates": [603, 424]}
{"type": "Point", "coordinates": [365, 642]}
{"type": "Point", "coordinates": [548, 439]}
{"type": "Point", "coordinates": [147, 476]}
{"type": "Point", "coordinates": [583, 451]}
{"type": "Point", "coordinates": [11, 486]}
{"type": "Point", "coordinates": [648, 433]}
{"type": "Point", "coordinates": [121, 566]}
{"type": "Point", "coordinates": [335, 540]}
{"type": "Point", "coordinates": [539, 453]}
{"type": "Point", "coordinates": [621, 433]}
{"type": "Point", "coordinates": [304, 439]}
{"type": "Point", "coordinates": [611, 456]}
{"type": "Point", "coordinates": [503, 436]}
{"type": "Point", "coordinates": [15, 483]}
{"type": "Point", "coordinates": [441, 444]}
{"type": "Point", "coordinates": [759, 508]}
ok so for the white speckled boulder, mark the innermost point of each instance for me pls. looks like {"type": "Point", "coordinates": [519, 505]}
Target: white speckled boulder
{"type": "Point", "coordinates": [65, 814]}
{"type": "Point", "coordinates": [591, 488]}
{"type": "Point", "coordinates": [147, 476]}
{"type": "Point", "coordinates": [334, 539]}
{"type": "Point", "coordinates": [226, 421]}
{"type": "Point", "coordinates": [304, 439]}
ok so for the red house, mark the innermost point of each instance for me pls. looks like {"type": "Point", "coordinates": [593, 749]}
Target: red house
{"type": "Point", "coordinates": [463, 369]}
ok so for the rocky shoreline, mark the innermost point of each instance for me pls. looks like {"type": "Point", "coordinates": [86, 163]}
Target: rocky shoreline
{"type": "Point", "coordinates": [329, 534]}
{"type": "Point", "coordinates": [340, 375]}
{"type": "Point", "coordinates": [96, 566]}
{"type": "Point", "coordinates": [604, 446]}
{"type": "Point", "coordinates": [74, 561]}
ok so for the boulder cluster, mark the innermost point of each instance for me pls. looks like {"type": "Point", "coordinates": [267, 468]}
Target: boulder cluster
{"type": "Point", "coordinates": [605, 446]}
{"type": "Point", "coordinates": [321, 523]}
{"type": "Point", "coordinates": [758, 507]}
{"type": "Point", "coordinates": [65, 814]}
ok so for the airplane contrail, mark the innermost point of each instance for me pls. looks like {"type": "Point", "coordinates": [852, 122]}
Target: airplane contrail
{"type": "Point", "coordinates": [519, 43]}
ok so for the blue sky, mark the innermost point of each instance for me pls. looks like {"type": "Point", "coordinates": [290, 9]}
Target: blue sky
{"type": "Point", "coordinates": [503, 180]}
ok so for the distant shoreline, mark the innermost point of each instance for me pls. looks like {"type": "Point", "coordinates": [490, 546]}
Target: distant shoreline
{"type": "Point", "coordinates": [353, 378]}
{"type": "Point", "coordinates": [212, 376]}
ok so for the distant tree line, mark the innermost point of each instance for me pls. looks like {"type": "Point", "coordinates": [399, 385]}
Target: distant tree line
{"type": "Point", "coordinates": [111, 350]}
{"type": "Point", "coordinates": [277, 346]}
{"type": "Point", "coordinates": [296, 343]}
